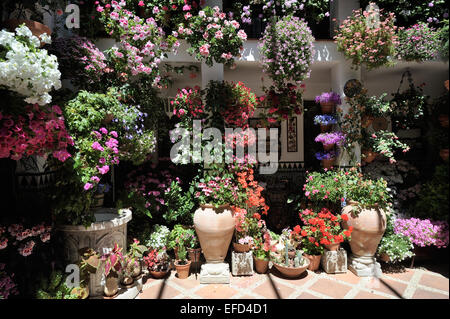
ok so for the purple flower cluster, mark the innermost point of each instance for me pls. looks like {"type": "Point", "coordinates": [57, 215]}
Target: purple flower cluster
{"type": "Point", "coordinates": [324, 119]}
{"type": "Point", "coordinates": [328, 97]}
{"type": "Point", "coordinates": [245, 16]}
{"type": "Point", "coordinates": [325, 155]}
{"type": "Point", "coordinates": [330, 138]}
{"type": "Point", "coordinates": [423, 232]}
{"type": "Point", "coordinates": [418, 43]}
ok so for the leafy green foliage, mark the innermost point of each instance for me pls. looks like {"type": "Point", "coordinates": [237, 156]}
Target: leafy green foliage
{"type": "Point", "coordinates": [54, 287]}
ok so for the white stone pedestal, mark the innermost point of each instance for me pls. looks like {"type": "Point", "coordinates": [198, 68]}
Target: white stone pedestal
{"type": "Point", "coordinates": [215, 274]}
{"type": "Point", "coordinates": [334, 262]}
{"type": "Point", "coordinates": [364, 266]}
{"type": "Point", "coordinates": [242, 263]}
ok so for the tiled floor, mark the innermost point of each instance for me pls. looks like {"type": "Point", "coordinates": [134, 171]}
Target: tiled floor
{"type": "Point", "coordinates": [418, 283]}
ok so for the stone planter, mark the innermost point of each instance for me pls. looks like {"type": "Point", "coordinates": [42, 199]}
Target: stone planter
{"type": "Point", "coordinates": [109, 228]}
{"type": "Point", "coordinates": [215, 228]}
{"type": "Point", "coordinates": [314, 261]}
{"type": "Point", "coordinates": [241, 248]}
{"type": "Point", "coordinates": [292, 272]}
{"type": "Point", "coordinates": [368, 229]}
{"type": "Point", "coordinates": [327, 108]}
{"type": "Point", "coordinates": [261, 265]}
{"type": "Point", "coordinates": [183, 270]}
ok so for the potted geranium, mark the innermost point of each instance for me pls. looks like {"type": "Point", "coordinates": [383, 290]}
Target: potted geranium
{"type": "Point", "coordinates": [325, 121]}
{"type": "Point", "coordinates": [182, 264]}
{"type": "Point", "coordinates": [330, 139]}
{"type": "Point", "coordinates": [262, 247]}
{"type": "Point", "coordinates": [418, 43]}
{"type": "Point", "coordinates": [186, 236]}
{"type": "Point", "coordinates": [327, 101]}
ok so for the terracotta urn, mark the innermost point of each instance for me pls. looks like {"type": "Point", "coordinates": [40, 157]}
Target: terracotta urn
{"type": "Point", "coordinates": [368, 156]}
{"type": "Point", "coordinates": [314, 261]}
{"type": "Point", "coordinates": [368, 229]}
{"type": "Point", "coordinates": [241, 248]}
{"type": "Point", "coordinates": [214, 228]}
{"type": "Point", "coordinates": [328, 163]}
{"type": "Point", "coordinates": [333, 246]}
{"type": "Point", "coordinates": [292, 272]}
{"type": "Point", "coordinates": [261, 265]}
{"type": "Point", "coordinates": [444, 154]}
{"type": "Point", "coordinates": [111, 287]}
{"type": "Point", "coordinates": [327, 108]}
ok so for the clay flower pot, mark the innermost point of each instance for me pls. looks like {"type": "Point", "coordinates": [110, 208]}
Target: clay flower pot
{"type": "Point", "coordinates": [369, 156]}
{"type": "Point", "coordinates": [385, 257]}
{"type": "Point", "coordinates": [194, 254]}
{"type": "Point", "coordinates": [127, 282]}
{"type": "Point", "coordinates": [314, 261]}
{"type": "Point", "coordinates": [36, 28]}
{"type": "Point", "coordinates": [328, 163]}
{"type": "Point", "coordinates": [333, 247]}
{"type": "Point", "coordinates": [215, 228]}
{"type": "Point", "coordinates": [183, 270]}
{"type": "Point", "coordinates": [444, 154]}
{"type": "Point", "coordinates": [158, 274]}
{"type": "Point", "coordinates": [111, 287]}
{"type": "Point", "coordinates": [292, 272]}
{"type": "Point", "coordinates": [368, 229]}
{"type": "Point", "coordinates": [366, 121]}
{"type": "Point", "coordinates": [241, 248]}
{"type": "Point", "coordinates": [98, 200]}
{"type": "Point", "coordinates": [261, 265]}
{"type": "Point", "coordinates": [327, 108]}
{"type": "Point", "coordinates": [137, 270]}
{"type": "Point", "coordinates": [325, 128]}
{"type": "Point", "coordinates": [328, 147]}
{"type": "Point", "coordinates": [443, 120]}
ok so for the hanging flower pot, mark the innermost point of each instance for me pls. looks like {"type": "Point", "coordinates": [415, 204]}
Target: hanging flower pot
{"type": "Point", "coordinates": [328, 147]}
{"type": "Point", "coordinates": [327, 108]}
{"type": "Point", "coordinates": [325, 128]}
{"type": "Point", "coordinates": [368, 156]}
{"type": "Point", "coordinates": [98, 200]}
{"type": "Point", "coordinates": [443, 120]}
{"type": "Point", "coordinates": [444, 154]}
{"type": "Point", "coordinates": [328, 163]}
{"type": "Point", "coordinates": [215, 228]}
{"type": "Point", "coordinates": [314, 261]}
{"type": "Point", "coordinates": [366, 121]}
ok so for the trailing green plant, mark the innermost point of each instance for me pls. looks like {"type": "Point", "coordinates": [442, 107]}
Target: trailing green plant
{"type": "Point", "coordinates": [434, 196]}
{"type": "Point", "coordinates": [179, 203]}
{"type": "Point", "coordinates": [54, 287]}
{"type": "Point", "coordinates": [443, 37]}
{"type": "Point", "coordinates": [384, 143]}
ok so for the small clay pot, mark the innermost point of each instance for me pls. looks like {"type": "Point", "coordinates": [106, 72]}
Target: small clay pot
{"type": "Point", "coordinates": [111, 287]}
{"type": "Point", "coordinates": [327, 108]}
{"type": "Point", "coordinates": [444, 154]}
{"type": "Point", "coordinates": [443, 120]}
{"type": "Point", "coordinates": [385, 257]}
{"type": "Point", "coordinates": [314, 261]}
{"type": "Point", "coordinates": [328, 163]}
{"type": "Point", "coordinates": [241, 248]}
{"type": "Point", "coordinates": [333, 247]}
{"type": "Point", "coordinates": [261, 265]}
{"type": "Point", "coordinates": [291, 272]}
{"type": "Point", "coordinates": [369, 156]}
{"type": "Point", "coordinates": [158, 274]}
{"type": "Point", "coordinates": [194, 254]}
{"type": "Point", "coordinates": [328, 147]}
{"type": "Point", "coordinates": [98, 200]}
{"type": "Point", "coordinates": [325, 128]}
{"type": "Point", "coordinates": [127, 282]}
{"type": "Point", "coordinates": [183, 270]}
{"type": "Point", "coordinates": [366, 121]}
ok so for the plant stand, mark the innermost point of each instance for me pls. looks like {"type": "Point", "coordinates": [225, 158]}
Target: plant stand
{"type": "Point", "coordinates": [334, 262]}
{"type": "Point", "coordinates": [242, 263]}
{"type": "Point", "coordinates": [215, 273]}
{"type": "Point", "coordinates": [365, 266]}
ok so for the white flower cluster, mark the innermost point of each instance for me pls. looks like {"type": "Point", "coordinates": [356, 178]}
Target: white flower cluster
{"type": "Point", "coordinates": [25, 68]}
{"type": "Point", "coordinates": [158, 238]}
